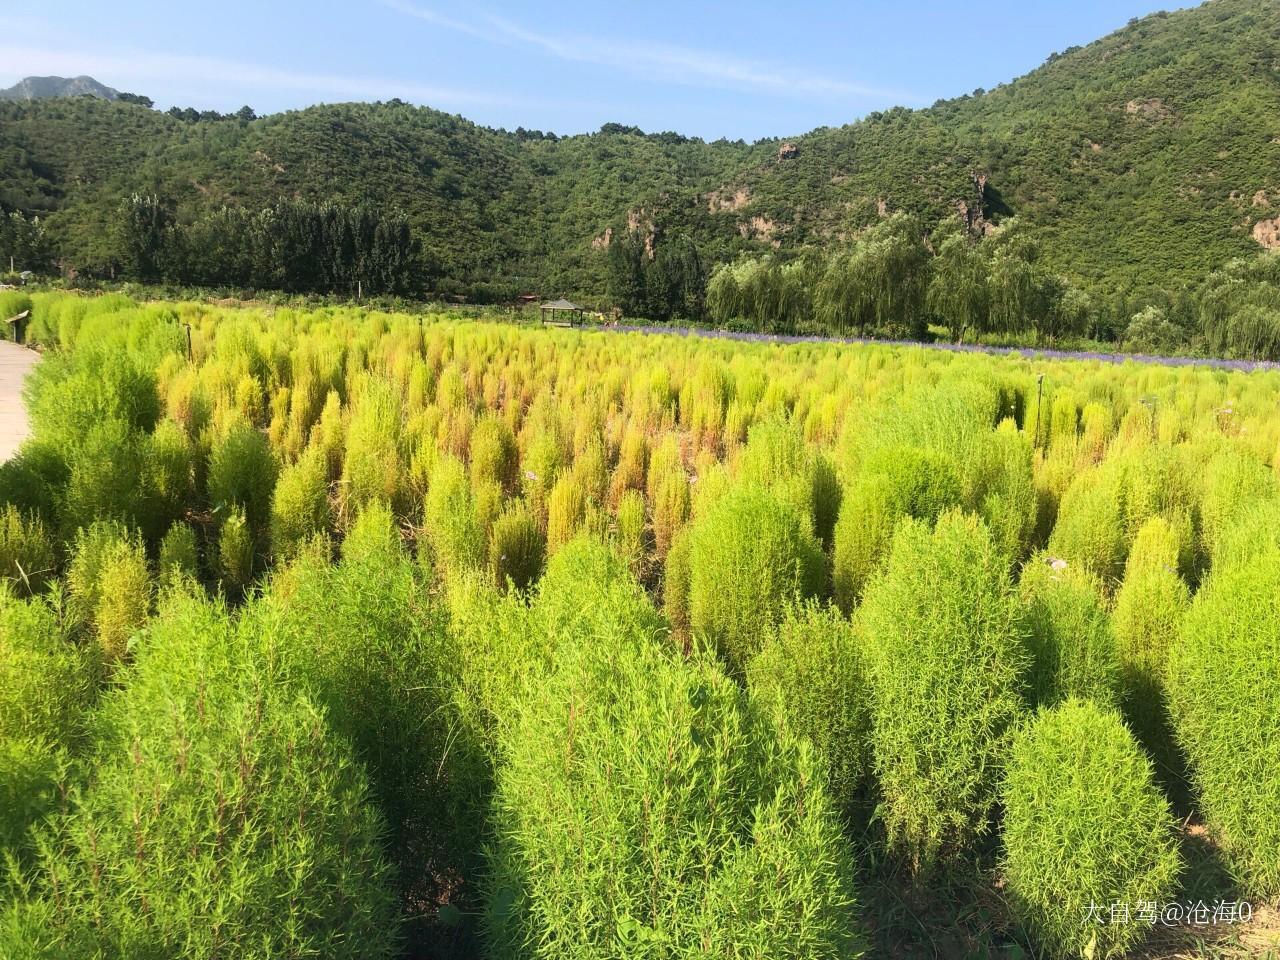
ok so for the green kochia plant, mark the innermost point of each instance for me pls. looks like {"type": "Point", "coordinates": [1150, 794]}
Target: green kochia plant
{"type": "Point", "coordinates": [895, 482]}
{"type": "Point", "coordinates": [1072, 647]}
{"type": "Point", "coordinates": [1085, 825]}
{"type": "Point", "coordinates": [362, 641]}
{"type": "Point", "coordinates": [947, 661]}
{"type": "Point", "coordinates": [749, 556]}
{"type": "Point", "coordinates": [643, 809]}
{"type": "Point", "coordinates": [1223, 684]}
{"type": "Point", "coordinates": [27, 558]}
{"type": "Point", "coordinates": [224, 819]}
{"type": "Point", "coordinates": [810, 678]}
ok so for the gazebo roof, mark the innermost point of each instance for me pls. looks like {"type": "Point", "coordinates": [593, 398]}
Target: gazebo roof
{"type": "Point", "coordinates": [559, 305]}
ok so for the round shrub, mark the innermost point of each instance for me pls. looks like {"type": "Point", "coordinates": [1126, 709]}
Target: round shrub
{"type": "Point", "coordinates": [1234, 482]}
{"type": "Point", "coordinates": [1223, 684]}
{"type": "Point", "coordinates": [242, 473]}
{"type": "Point", "coordinates": [373, 468]}
{"type": "Point", "coordinates": [1005, 493]}
{"type": "Point", "coordinates": [1251, 534]}
{"type": "Point", "coordinates": [1073, 651]}
{"type": "Point", "coordinates": [27, 558]}
{"type": "Point", "coordinates": [670, 503]}
{"type": "Point", "coordinates": [452, 529]}
{"type": "Point", "coordinates": [300, 504]}
{"type": "Point", "coordinates": [631, 531]}
{"type": "Point", "coordinates": [644, 809]}
{"type": "Point", "coordinates": [566, 510]}
{"type": "Point", "coordinates": [776, 457]}
{"type": "Point", "coordinates": [675, 585]}
{"type": "Point", "coordinates": [749, 556]}
{"type": "Point", "coordinates": [109, 585]}
{"type": "Point", "coordinates": [46, 681]}
{"type": "Point", "coordinates": [170, 476]}
{"type": "Point", "coordinates": [1084, 825]}
{"type": "Point", "coordinates": [1149, 609]}
{"type": "Point", "coordinates": [810, 678]}
{"type": "Point", "coordinates": [124, 597]}
{"type": "Point", "coordinates": [362, 641]}
{"type": "Point", "coordinates": [894, 482]}
{"type": "Point", "coordinates": [587, 587]}
{"type": "Point", "coordinates": [179, 554]}
{"type": "Point", "coordinates": [947, 658]}
{"type": "Point", "coordinates": [237, 556]}
{"type": "Point", "coordinates": [516, 549]}
{"type": "Point", "coordinates": [1090, 527]}
{"type": "Point", "coordinates": [264, 843]}
{"type": "Point", "coordinates": [107, 479]}
{"type": "Point", "coordinates": [31, 773]}
{"type": "Point", "coordinates": [494, 456]}
{"type": "Point", "coordinates": [34, 480]}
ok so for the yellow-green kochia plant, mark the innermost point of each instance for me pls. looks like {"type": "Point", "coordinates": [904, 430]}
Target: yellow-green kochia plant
{"type": "Point", "coordinates": [811, 680]}
{"type": "Point", "coordinates": [1223, 685]}
{"type": "Point", "coordinates": [224, 818]}
{"type": "Point", "coordinates": [1085, 826]}
{"type": "Point", "coordinates": [748, 557]}
{"type": "Point", "coordinates": [947, 663]}
{"type": "Point", "coordinates": [895, 482]}
{"type": "Point", "coordinates": [643, 809]}
{"type": "Point", "coordinates": [1073, 651]}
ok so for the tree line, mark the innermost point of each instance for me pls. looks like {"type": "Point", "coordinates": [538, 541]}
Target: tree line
{"type": "Point", "coordinates": [292, 245]}
{"type": "Point", "coordinates": [897, 281]}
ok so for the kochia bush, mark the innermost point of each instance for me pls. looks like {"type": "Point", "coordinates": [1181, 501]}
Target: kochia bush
{"type": "Point", "coordinates": [1084, 825]}
{"type": "Point", "coordinates": [263, 809]}
{"type": "Point", "coordinates": [1223, 684]}
{"type": "Point", "coordinates": [516, 549]}
{"type": "Point", "coordinates": [749, 556]}
{"type": "Point", "coordinates": [1148, 613]}
{"type": "Point", "coordinates": [242, 473]}
{"type": "Point", "coordinates": [947, 661]}
{"type": "Point", "coordinates": [643, 809]}
{"type": "Point", "coordinates": [810, 678]}
{"type": "Point", "coordinates": [1073, 651]}
{"type": "Point", "coordinates": [27, 558]}
{"type": "Point", "coordinates": [300, 504]}
{"type": "Point", "coordinates": [895, 482]}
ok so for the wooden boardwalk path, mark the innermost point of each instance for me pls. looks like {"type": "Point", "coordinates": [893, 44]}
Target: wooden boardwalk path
{"type": "Point", "coordinates": [15, 363]}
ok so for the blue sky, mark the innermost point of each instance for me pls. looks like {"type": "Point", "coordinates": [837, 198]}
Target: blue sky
{"type": "Point", "coordinates": [748, 69]}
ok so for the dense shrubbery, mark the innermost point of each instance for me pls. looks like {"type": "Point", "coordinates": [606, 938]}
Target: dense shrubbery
{"type": "Point", "coordinates": [642, 807]}
{"type": "Point", "coordinates": [1084, 828]}
{"type": "Point", "coordinates": [262, 806]}
{"type": "Point", "coordinates": [947, 659]}
{"type": "Point", "coordinates": [1073, 651]}
{"type": "Point", "coordinates": [748, 558]}
{"type": "Point", "coordinates": [810, 677]}
{"type": "Point", "coordinates": [437, 549]}
{"type": "Point", "coordinates": [1223, 679]}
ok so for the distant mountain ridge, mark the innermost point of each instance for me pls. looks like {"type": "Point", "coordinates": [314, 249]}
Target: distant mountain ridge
{"type": "Point", "coordinates": [39, 88]}
{"type": "Point", "coordinates": [1142, 161]}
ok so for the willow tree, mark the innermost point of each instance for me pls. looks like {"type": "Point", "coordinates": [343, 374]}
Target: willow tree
{"type": "Point", "coordinates": [1240, 308]}
{"type": "Point", "coordinates": [881, 284]}
{"type": "Point", "coordinates": [958, 288]}
{"type": "Point", "coordinates": [772, 296]}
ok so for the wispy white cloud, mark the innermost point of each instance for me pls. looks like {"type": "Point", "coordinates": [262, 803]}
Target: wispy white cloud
{"type": "Point", "coordinates": [671, 64]}
{"type": "Point", "coordinates": [227, 78]}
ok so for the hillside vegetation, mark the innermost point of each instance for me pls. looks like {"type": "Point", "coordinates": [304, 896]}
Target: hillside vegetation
{"type": "Point", "coordinates": [1138, 165]}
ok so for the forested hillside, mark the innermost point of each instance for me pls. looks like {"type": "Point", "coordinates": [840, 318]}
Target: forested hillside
{"type": "Point", "coordinates": [1138, 164]}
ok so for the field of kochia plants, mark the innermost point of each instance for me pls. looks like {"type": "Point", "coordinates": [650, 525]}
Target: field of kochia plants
{"type": "Point", "coordinates": [346, 634]}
